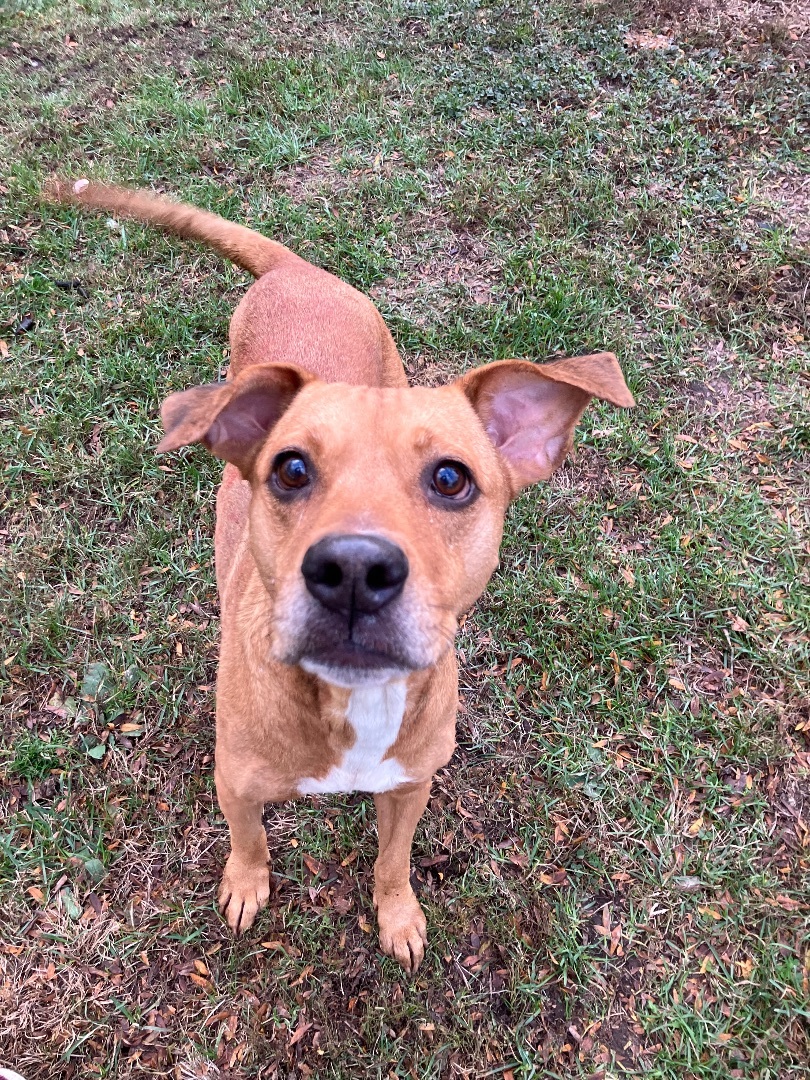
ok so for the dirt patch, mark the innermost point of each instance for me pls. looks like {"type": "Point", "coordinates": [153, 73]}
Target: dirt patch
{"type": "Point", "coordinates": [781, 23]}
{"type": "Point", "coordinates": [439, 269]}
{"type": "Point", "coordinates": [318, 176]}
{"type": "Point", "coordinates": [788, 792]}
{"type": "Point", "coordinates": [789, 197]}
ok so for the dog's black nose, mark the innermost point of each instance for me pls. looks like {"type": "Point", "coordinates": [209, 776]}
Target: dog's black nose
{"type": "Point", "coordinates": [354, 572]}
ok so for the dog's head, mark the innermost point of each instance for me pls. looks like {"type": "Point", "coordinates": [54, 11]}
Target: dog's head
{"type": "Point", "coordinates": [377, 514]}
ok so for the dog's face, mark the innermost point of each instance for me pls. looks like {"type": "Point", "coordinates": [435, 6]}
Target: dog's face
{"type": "Point", "coordinates": [377, 514]}
{"type": "Point", "coordinates": [375, 521]}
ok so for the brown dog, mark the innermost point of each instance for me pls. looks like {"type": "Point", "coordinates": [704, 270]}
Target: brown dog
{"type": "Point", "coordinates": [357, 519]}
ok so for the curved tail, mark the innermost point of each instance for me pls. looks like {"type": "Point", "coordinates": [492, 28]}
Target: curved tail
{"type": "Point", "coordinates": [248, 249]}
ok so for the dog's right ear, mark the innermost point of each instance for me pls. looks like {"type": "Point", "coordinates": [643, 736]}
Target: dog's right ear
{"type": "Point", "coordinates": [232, 419]}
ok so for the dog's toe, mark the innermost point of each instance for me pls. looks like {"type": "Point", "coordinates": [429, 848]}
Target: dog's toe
{"type": "Point", "coordinates": [243, 893]}
{"type": "Point", "coordinates": [403, 931]}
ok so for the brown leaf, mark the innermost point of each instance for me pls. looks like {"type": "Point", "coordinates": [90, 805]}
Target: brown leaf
{"type": "Point", "coordinates": [312, 865]}
{"type": "Point", "coordinates": [434, 861]}
{"type": "Point", "coordinates": [305, 974]}
{"type": "Point", "coordinates": [788, 903]}
{"type": "Point", "coordinates": [646, 39]}
{"type": "Point", "coordinates": [696, 826]}
{"type": "Point", "coordinates": [300, 1032]}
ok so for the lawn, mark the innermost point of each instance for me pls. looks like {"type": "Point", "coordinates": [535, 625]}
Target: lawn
{"type": "Point", "coordinates": [615, 864]}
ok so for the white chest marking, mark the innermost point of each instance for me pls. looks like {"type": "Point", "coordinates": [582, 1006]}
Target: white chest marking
{"type": "Point", "coordinates": [375, 713]}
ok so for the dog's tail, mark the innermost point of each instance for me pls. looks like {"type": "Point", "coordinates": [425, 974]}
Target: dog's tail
{"type": "Point", "coordinates": [248, 249]}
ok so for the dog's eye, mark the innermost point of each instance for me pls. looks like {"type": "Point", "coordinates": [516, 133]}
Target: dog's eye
{"type": "Point", "coordinates": [290, 471]}
{"type": "Point", "coordinates": [451, 480]}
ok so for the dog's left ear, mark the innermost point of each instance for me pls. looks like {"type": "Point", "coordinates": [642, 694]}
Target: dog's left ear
{"type": "Point", "coordinates": [530, 410]}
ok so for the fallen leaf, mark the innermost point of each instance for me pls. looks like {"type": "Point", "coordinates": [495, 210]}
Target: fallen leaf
{"type": "Point", "coordinates": [95, 868]}
{"type": "Point", "coordinates": [300, 1032]}
{"type": "Point", "coordinates": [305, 974]}
{"type": "Point", "coordinates": [696, 826]}
{"type": "Point", "coordinates": [645, 39]}
{"type": "Point", "coordinates": [689, 884]}
{"type": "Point", "coordinates": [312, 865]}
{"type": "Point", "coordinates": [71, 905]}
{"type": "Point", "coordinates": [787, 902]}
{"type": "Point", "coordinates": [97, 684]}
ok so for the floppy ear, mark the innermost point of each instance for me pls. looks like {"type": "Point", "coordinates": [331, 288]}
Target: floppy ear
{"type": "Point", "coordinates": [232, 419]}
{"type": "Point", "coordinates": [530, 410]}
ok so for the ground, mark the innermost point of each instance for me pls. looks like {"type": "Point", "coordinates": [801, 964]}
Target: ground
{"type": "Point", "coordinates": [615, 863]}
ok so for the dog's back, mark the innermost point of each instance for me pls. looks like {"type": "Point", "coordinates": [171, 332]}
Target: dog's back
{"type": "Point", "coordinates": [295, 313]}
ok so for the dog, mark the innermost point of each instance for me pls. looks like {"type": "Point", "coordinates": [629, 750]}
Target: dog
{"type": "Point", "coordinates": [358, 518]}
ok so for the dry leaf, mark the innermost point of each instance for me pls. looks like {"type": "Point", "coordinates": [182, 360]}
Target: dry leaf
{"type": "Point", "coordinates": [312, 865]}
{"type": "Point", "coordinates": [695, 827]}
{"type": "Point", "coordinates": [300, 1032]}
{"type": "Point", "coordinates": [645, 39]}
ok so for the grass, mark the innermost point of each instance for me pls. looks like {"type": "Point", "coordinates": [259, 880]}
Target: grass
{"type": "Point", "coordinates": [615, 864]}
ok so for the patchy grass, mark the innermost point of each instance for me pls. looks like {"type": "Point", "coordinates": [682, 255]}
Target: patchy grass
{"type": "Point", "coordinates": [615, 865]}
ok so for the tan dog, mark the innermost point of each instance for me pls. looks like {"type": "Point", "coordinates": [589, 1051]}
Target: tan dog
{"type": "Point", "coordinates": [357, 519]}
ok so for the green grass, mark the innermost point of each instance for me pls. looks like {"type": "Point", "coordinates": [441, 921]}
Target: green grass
{"type": "Point", "coordinates": [615, 864]}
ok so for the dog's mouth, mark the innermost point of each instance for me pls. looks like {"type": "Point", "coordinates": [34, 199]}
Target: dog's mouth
{"type": "Point", "coordinates": [366, 649]}
{"type": "Point", "coordinates": [350, 654]}
{"type": "Point", "coordinates": [349, 664]}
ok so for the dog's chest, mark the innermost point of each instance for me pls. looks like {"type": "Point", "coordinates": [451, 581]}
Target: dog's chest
{"type": "Point", "coordinates": [375, 713]}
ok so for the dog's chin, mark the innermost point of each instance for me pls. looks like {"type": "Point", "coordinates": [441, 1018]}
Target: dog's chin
{"type": "Point", "coordinates": [353, 678]}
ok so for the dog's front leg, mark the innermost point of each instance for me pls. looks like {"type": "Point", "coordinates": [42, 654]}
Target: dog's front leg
{"type": "Point", "coordinates": [403, 932]}
{"type": "Point", "coordinates": [245, 887]}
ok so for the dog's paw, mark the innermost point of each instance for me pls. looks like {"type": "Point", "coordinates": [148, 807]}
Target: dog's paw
{"type": "Point", "coordinates": [403, 929]}
{"type": "Point", "coordinates": [244, 891]}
